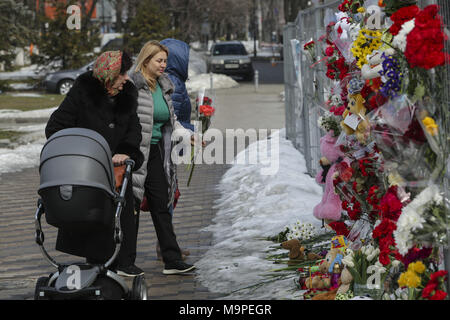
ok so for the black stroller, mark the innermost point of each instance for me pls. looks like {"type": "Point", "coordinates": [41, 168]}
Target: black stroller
{"type": "Point", "coordinates": [77, 190]}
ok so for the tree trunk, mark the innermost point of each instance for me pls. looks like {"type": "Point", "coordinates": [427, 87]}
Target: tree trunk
{"type": "Point", "coordinates": [119, 8]}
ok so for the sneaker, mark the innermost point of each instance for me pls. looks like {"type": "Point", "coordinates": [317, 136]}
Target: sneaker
{"type": "Point", "coordinates": [129, 271]}
{"type": "Point", "coordinates": [177, 267]}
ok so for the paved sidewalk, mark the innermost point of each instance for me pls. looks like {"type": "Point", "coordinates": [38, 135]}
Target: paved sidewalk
{"type": "Point", "coordinates": [21, 261]}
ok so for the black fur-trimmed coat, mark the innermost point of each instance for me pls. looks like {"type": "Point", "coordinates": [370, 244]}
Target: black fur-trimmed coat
{"type": "Point", "coordinates": [87, 105]}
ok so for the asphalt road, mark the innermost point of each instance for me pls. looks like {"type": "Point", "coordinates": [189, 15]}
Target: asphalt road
{"type": "Point", "coordinates": [268, 73]}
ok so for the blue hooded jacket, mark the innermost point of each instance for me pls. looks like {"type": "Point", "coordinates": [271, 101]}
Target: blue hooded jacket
{"type": "Point", "coordinates": [177, 69]}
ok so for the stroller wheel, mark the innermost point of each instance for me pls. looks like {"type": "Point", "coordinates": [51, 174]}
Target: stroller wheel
{"type": "Point", "coordinates": [110, 289]}
{"type": "Point", "coordinates": [139, 289]}
{"type": "Point", "coordinates": [41, 282]}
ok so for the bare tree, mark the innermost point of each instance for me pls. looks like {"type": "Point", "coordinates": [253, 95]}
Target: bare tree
{"type": "Point", "coordinates": [226, 18]}
{"type": "Point", "coordinates": [292, 7]}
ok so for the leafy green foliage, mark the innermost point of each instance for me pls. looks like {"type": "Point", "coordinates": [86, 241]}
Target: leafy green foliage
{"type": "Point", "coordinates": [150, 23]}
{"type": "Point", "coordinates": [72, 48]}
{"type": "Point", "coordinates": [394, 5]}
{"type": "Point", "coordinates": [16, 23]}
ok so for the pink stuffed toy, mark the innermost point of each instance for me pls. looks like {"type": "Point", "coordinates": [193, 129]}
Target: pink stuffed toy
{"type": "Point", "coordinates": [330, 206]}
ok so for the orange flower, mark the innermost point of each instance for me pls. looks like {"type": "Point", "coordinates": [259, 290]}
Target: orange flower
{"type": "Point", "coordinates": [206, 110]}
{"type": "Point", "coordinates": [381, 3]}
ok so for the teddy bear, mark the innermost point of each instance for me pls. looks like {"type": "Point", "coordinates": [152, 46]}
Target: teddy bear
{"type": "Point", "coordinates": [297, 251]}
{"type": "Point", "coordinates": [355, 120]}
{"type": "Point", "coordinates": [330, 206]}
{"type": "Point", "coordinates": [331, 264]}
{"type": "Point", "coordinates": [346, 280]}
{"type": "Point", "coordinates": [327, 266]}
{"type": "Point", "coordinates": [318, 282]}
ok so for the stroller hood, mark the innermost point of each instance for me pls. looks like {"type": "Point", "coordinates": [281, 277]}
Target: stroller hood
{"type": "Point", "coordinates": [77, 156]}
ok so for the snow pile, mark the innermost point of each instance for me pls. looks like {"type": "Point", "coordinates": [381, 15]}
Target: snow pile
{"type": "Point", "coordinates": [197, 64]}
{"type": "Point", "coordinates": [27, 94]}
{"type": "Point", "coordinates": [9, 114]}
{"type": "Point", "coordinates": [254, 206]}
{"type": "Point", "coordinates": [27, 72]}
{"type": "Point", "coordinates": [22, 157]}
{"type": "Point", "coordinates": [220, 81]}
{"type": "Point", "coordinates": [27, 154]}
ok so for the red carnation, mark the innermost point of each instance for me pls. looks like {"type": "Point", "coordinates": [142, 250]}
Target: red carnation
{"type": "Point", "coordinates": [329, 51]}
{"type": "Point", "coordinates": [340, 228]}
{"type": "Point", "coordinates": [425, 43]}
{"type": "Point", "coordinates": [439, 295]}
{"type": "Point", "coordinates": [435, 276]}
{"type": "Point", "coordinates": [428, 290]}
{"type": "Point", "coordinates": [346, 174]}
{"type": "Point", "coordinates": [401, 16]}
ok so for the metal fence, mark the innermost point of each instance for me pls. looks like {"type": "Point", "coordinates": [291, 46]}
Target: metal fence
{"type": "Point", "coordinates": [305, 87]}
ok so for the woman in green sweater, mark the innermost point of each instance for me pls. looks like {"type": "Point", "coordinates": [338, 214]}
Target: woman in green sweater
{"type": "Point", "coordinates": [156, 179]}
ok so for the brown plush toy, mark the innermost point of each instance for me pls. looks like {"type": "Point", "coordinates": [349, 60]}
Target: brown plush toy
{"type": "Point", "coordinates": [317, 282]}
{"type": "Point", "coordinates": [332, 260]}
{"type": "Point", "coordinates": [356, 110]}
{"type": "Point", "coordinates": [346, 280]}
{"type": "Point", "coordinates": [329, 295]}
{"type": "Point", "coordinates": [297, 251]}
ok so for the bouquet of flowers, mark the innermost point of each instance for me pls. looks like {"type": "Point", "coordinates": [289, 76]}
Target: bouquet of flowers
{"type": "Point", "coordinates": [391, 182]}
{"type": "Point", "coordinates": [309, 47]}
{"type": "Point", "coordinates": [423, 284]}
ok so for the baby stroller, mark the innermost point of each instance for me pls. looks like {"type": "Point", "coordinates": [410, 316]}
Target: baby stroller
{"type": "Point", "coordinates": [77, 192]}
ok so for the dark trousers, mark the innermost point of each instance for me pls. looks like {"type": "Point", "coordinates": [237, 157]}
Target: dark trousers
{"type": "Point", "coordinates": [99, 246]}
{"type": "Point", "coordinates": [156, 191]}
{"type": "Point", "coordinates": [128, 220]}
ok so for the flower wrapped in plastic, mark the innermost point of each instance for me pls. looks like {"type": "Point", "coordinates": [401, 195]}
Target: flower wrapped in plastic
{"type": "Point", "coordinates": [399, 136]}
{"type": "Point", "coordinates": [310, 48]}
{"type": "Point", "coordinates": [423, 221]}
{"type": "Point", "coordinates": [205, 112]}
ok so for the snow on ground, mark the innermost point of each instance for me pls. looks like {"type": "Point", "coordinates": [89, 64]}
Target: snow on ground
{"type": "Point", "coordinates": [254, 206]}
{"type": "Point", "coordinates": [220, 81]}
{"type": "Point", "coordinates": [26, 94]}
{"type": "Point", "coordinates": [10, 114]}
{"type": "Point", "coordinates": [22, 157]}
{"type": "Point", "coordinates": [24, 73]}
{"type": "Point", "coordinates": [27, 153]}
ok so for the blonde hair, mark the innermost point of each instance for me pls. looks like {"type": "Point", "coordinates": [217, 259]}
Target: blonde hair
{"type": "Point", "coordinates": [148, 51]}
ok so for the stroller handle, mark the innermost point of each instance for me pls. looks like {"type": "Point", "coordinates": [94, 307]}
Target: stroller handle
{"type": "Point", "coordinates": [118, 234]}
{"type": "Point", "coordinates": [130, 162]}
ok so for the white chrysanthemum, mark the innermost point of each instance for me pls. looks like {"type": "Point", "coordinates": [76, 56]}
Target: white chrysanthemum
{"type": "Point", "coordinates": [411, 218]}
{"type": "Point", "coordinates": [399, 40]}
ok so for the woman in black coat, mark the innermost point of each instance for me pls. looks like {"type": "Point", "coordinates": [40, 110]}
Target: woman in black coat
{"type": "Point", "coordinates": [105, 101]}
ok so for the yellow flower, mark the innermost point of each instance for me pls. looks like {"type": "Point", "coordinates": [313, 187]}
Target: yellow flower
{"type": "Point", "coordinates": [402, 280]}
{"type": "Point", "coordinates": [361, 10]}
{"type": "Point", "coordinates": [413, 280]}
{"type": "Point", "coordinates": [409, 279]}
{"type": "Point", "coordinates": [418, 267]}
{"type": "Point", "coordinates": [430, 125]}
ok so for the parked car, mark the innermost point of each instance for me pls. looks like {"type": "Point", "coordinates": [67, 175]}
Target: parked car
{"type": "Point", "coordinates": [230, 58]}
{"type": "Point", "coordinates": [61, 81]}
